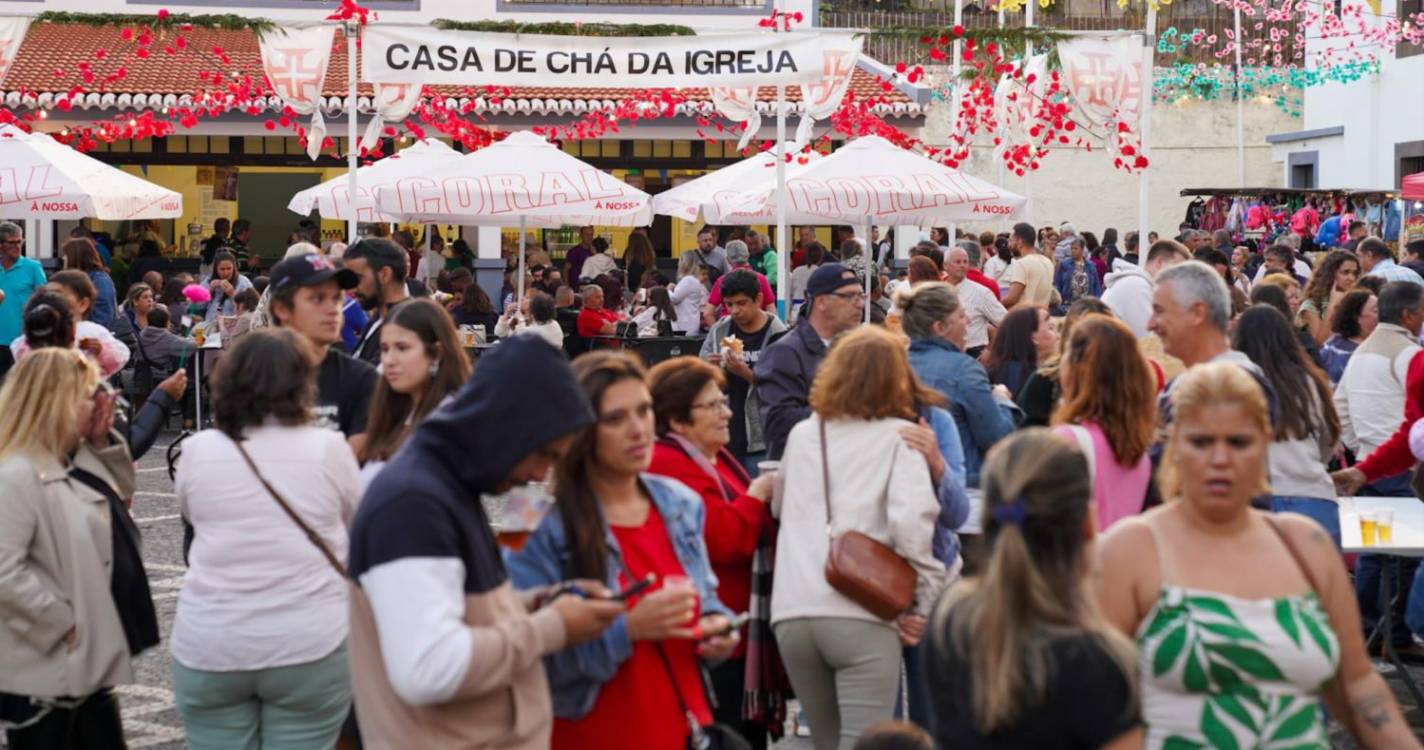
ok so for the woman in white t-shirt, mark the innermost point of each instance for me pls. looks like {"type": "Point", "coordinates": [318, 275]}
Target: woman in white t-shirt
{"type": "Point", "coordinates": [259, 639]}
{"type": "Point", "coordinates": [422, 364]}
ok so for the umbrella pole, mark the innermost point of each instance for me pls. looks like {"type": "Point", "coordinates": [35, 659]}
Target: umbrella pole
{"type": "Point", "coordinates": [1149, 47]}
{"type": "Point", "coordinates": [351, 179]}
{"type": "Point", "coordinates": [519, 298]}
{"type": "Point", "coordinates": [870, 268]}
{"type": "Point", "coordinates": [783, 288]}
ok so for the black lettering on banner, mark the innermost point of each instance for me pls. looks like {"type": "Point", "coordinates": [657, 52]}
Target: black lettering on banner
{"type": "Point", "coordinates": [638, 63]}
{"type": "Point", "coordinates": [604, 63]}
{"type": "Point", "coordinates": [745, 63]}
{"type": "Point", "coordinates": [448, 60]}
{"type": "Point", "coordinates": [472, 60]}
{"type": "Point", "coordinates": [581, 62]}
{"type": "Point", "coordinates": [725, 60]}
{"type": "Point", "coordinates": [526, 61]}
{"type": "Point", "coordinates": [558, 62]}
{"type": "Point", "coordinates": [663, 64]}
{"type": "Point", "coordinates": [391, 61]}
{"type": "Point", "coordinates": [786, 62]}
{"type": "Point", "coordinates": [504, 60]}
{"type": "Point", "coordinates": [422, 59]}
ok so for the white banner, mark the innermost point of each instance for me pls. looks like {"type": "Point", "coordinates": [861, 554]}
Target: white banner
{"type": "Point", "coordinates": [1104, 76]}
{"type": "Point", "coordinates": [12, 33]}
{"type": "Point", "coordinates": [422, 55]}
{"type": "Point", "coordinates": [819, 99]}
{"type": "Point", "coordinates": [295, 61]}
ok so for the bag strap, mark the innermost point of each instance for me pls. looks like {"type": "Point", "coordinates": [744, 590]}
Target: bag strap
{"type": "Point", "coordinates": [307, 530]}
{"type": "Point", "coordinates": [1085, 444]}
{"type": "Point", "coordinates": [1295, 555]}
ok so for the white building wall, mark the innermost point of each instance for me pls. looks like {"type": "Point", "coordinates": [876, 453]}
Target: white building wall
{"type": "Point", "coordinates": [1376, 113]}
{"type": "Point", "coordinates": [1193, 145]}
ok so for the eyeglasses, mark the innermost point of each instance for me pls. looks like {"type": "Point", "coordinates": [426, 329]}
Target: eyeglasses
{"type": "Point", "coordinates": [851, 296]}
{"type": "Point", "coordinates": [721, 403]}
{"type": "Point", "coordinates": [20, 241]}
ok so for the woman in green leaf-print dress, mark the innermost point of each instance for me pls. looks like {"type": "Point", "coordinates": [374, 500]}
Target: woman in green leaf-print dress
{"type": "Point", "coordinates": [1244, 621]}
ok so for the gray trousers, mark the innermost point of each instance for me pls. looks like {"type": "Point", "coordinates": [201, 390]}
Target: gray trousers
{"type": "Point", "coordinates": [845, 672]}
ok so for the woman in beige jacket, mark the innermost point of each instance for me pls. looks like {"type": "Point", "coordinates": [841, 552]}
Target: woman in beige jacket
{"type": "Point", "coordinates": [62, 646]}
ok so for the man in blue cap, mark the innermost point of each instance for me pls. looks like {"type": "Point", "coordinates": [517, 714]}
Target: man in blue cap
{"type": "Point", "coordinates": [835, 302]}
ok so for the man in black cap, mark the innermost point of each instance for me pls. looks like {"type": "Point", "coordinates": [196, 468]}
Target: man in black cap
{"type": "Point", "coordinates": [307, 298]}
{"type": "Point", "coordinates": [835, 304]}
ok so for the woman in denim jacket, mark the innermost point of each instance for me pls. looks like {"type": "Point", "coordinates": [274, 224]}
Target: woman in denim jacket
{"type": "Point", "coordinates": [620, 526]}
{"type": "Point", "coordinates": [936, 324]}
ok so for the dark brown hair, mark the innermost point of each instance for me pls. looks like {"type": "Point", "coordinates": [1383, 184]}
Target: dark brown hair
{"type": "Point", "coordinates": [393, 415]}
{"type": "Point", "coordinates": [81, 255]}
{"type": "Point", "coordinates": [1013, 342]}
{"type": "Point", "coordinates": [1346, 319]}
{"type": "Point", "coordinates": [675, 384]}
{"type": "Point", "coordinates": [577, 506]}
{"type": "Point", "coordinates": [269, 373]}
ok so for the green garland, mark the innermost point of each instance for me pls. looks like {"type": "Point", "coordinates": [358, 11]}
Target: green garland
{"type": "Point", "coordinates": [224, 22]}
{"type": "Point", "coordinates": [565, 28]}
{"type": "Point", "coordinates": [1011, 37]}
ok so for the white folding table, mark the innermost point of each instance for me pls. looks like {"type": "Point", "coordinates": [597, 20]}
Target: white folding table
{"type": "Point", "coordinates": [1406, 540]}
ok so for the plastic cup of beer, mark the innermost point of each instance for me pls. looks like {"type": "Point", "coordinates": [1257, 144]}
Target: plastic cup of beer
{"type": "Point", "coordinates": [1384, 525]}
{"type": "Point", "coordinates": [1368, 528]}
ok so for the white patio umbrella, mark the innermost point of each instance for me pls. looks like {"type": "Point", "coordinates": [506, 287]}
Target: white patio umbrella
{"type": "Point", "coordinates": [522, 179]}
{"type": "Point", "coordinates": [41, 178]}
{"type": "Point", "coordinates": [872, 181]}
{"type": "Point", "coordinates": [713, 195]}
{"type": "Point", "coordinates": [332, 199]}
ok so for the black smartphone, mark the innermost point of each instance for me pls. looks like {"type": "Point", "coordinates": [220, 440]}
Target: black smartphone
{"type": "Point", "coordinates": [735, 623]}
{"type": "Point", "coordinates": [635, 589]}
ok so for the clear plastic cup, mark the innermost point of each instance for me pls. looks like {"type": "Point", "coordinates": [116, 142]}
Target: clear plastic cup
{"type": "Point", "coordinates": [1384, 525]}
{"type": "Point", "coordinates": [1368, 528]}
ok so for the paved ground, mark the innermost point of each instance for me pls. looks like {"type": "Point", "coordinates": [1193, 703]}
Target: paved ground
{"type": "Point", "coordinates": [149, 718]}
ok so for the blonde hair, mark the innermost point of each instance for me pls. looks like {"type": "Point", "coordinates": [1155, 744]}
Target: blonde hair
{"type": "Point", "coordinates": [1285, 281]}
{"type": "Point", "coordinates": [1208, 385]}
{"type": "Point", "coordinates": [1037, 503]}
{"type": "Point", "coordinates": [924, 304]}
{"type": "Point", "coordinates": [39, 404]}
{"type": "Point", "coordinates": [867, 375]}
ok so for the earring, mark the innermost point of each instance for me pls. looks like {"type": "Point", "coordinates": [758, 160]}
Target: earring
{"type": "Point", "coordinates": [434, 368]}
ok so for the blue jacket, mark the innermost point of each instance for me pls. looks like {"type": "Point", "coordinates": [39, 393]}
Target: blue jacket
{"type": "Point", "coordinates": [1063, 281]}
{"type": "Point", "coordinates": [105, 302]}
{"type": "Point", "coordinates": [783, 383]}
{"type": "Point", "coordinates": [953, 498]}
{"type": "Point", "coordinates": [577, 674]}
{"type": "Point", "coordinates": [981, 418]}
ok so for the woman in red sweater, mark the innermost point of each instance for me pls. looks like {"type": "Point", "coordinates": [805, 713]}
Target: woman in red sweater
{"type": "Point", "coordinates": [693, 425]}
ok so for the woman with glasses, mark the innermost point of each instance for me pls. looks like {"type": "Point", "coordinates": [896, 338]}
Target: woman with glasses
{"type": "Point", "coordinates": [63, 645]}
{"type": "Point", "coordinates": [693, 420]}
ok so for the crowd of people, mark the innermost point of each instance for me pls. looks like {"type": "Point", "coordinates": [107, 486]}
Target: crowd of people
{"type": "Point", "coordinates": [1053, 494]}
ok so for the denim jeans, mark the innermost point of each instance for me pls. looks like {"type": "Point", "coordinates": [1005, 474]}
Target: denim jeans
{"type": "Point", "coordinates": [1324, 512]}
{"type": "Point", "coordinates": [750, 461]}
{"type": "Point", "coordinates": [1369, 569]}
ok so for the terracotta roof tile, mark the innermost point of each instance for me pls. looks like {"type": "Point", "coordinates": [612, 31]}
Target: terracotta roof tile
{"type": "Point", "coordinates": [50, 60]}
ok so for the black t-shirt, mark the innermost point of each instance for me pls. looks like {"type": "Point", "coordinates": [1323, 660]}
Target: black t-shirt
{"type": "Point", "coordinates": [737, 388]}
{"type": "Point", "coordinates": [1084, 704]}
{"type": "Point", "coordinates": [344, 387]}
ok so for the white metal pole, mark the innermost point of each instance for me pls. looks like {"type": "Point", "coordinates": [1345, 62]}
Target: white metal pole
{"type": "Point", "coordinates": [1033, 145]}
{"type": "Point", "coordinates": [783, 254]}
{"type": "Point", "coordinates": [1240, 105]}
{"type": "Point", "coordinates": [1000, 161]}
{"type": "Point", "coordinates": [1149, 50]}
{"type": "Point", "coordinates": [954, 97]}
{"type": "Point", "coordinates": [519, 299]}
{"type": "Point", "coordinates": [351, 179]}
{"type": "Point", "coordinates": [870, 267]}
{"type": "Point", "coordinates": [197, 389]}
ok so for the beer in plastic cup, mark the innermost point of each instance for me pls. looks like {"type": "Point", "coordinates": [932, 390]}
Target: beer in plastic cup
{"type": "Point", "coordinates": [1384, 525]}
{"type": "Point", "coordinates": [1368, 529]}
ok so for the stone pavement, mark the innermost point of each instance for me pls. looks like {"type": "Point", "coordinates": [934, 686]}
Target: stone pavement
{"type": "Point", "coordinates": [150, 720]}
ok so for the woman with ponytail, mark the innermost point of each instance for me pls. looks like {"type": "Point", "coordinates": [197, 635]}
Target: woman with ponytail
{"type": "Point", "coordinates": [1019, 656]}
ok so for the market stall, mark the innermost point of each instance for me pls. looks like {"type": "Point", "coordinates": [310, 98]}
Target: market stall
{"type": "Point", "coordinates": [1412, 193]}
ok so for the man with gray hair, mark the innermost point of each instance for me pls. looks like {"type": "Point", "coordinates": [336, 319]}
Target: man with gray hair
{"type": "Point", "coordinates": [19, 278]}
{"type": "Point", "coordinates": [974, 257]}
{"type": "Point", "coordinates": [1191, 309]}
{"type": "Point", "coordinates": [984, 310]}
{"type": "Point", "coordinates": [738, 257]}
{"type": "Point", "coordinates": [1066, 235]}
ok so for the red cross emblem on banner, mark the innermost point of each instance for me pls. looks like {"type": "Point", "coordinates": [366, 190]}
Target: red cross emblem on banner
{"type": "Point", "coordinates": [390, 94]}
{"type": "Point", "coordinates": [295, 74]}
{"type": "Point", "coordinates": [836, 68]}
{"type": "Point", "coordinates": [1096, 80]}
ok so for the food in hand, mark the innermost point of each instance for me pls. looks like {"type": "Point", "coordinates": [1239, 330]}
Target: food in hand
{"type": "Point", "coordinates": [732, 345]}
